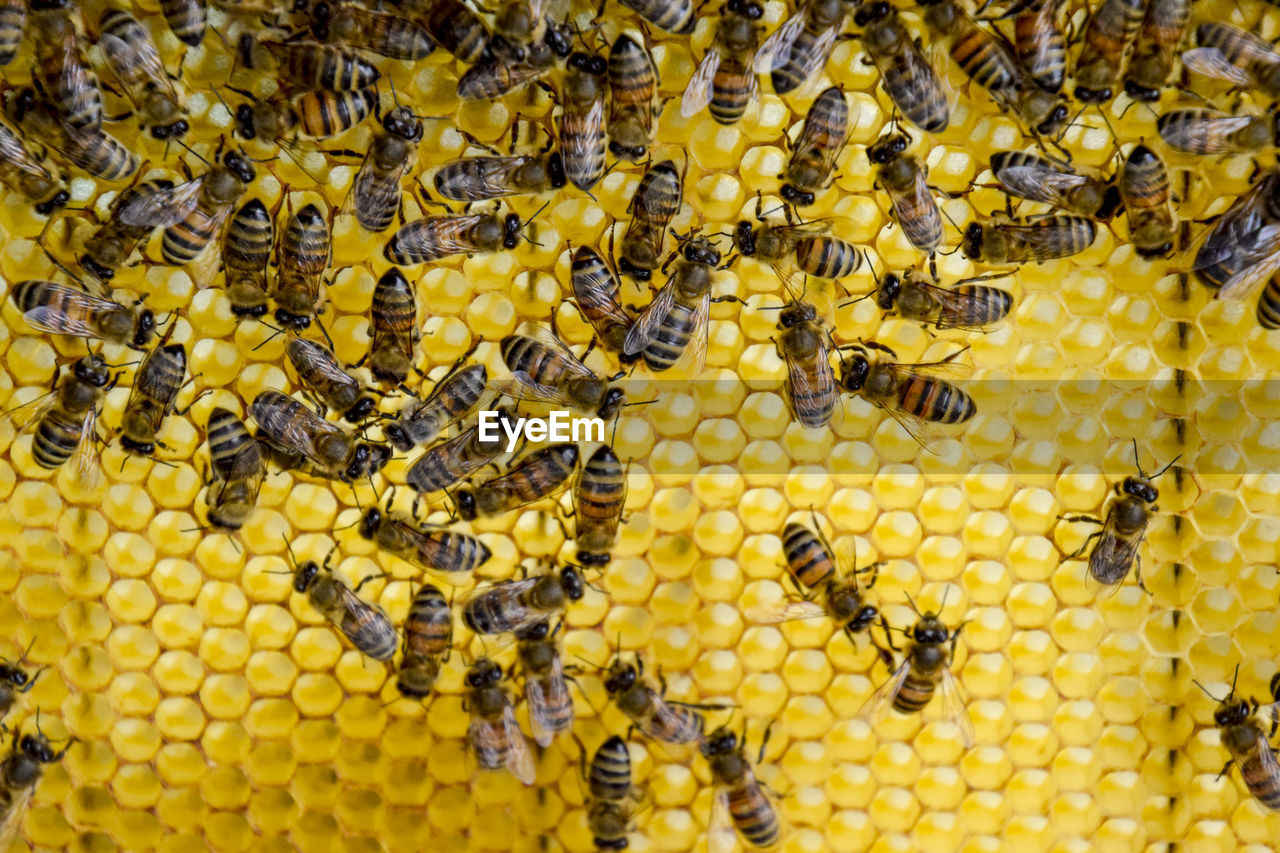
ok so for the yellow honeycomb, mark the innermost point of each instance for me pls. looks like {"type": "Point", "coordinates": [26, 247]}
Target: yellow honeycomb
{"type": "Point", "coordinates": [215, 708]}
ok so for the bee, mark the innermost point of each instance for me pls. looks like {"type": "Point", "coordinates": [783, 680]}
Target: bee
{"type": "Point", "coordinates": [237, 468]}
{"type": "Point", "coordinates": [187, 19]}
{"type": "Point", "coordinates": [331, 452]}
{"type": "Point", "coordinates": [909, 78]}
{"type": "Point", "coordinates": [152, 399]}
{"type": "Point", "coordinates": [320, 372]}
{"type": "Point", "coordinates": [633, 105]}
{"type": "Point", "coordinates": [301, 258]}
{"type": "Point", "coordinates": [66, 425]}
{"type": "Point", "coordinates": [517, 24]}
{"type": "Point", "coordinates": [486, 178]}
{"type": "Point", "coordinates": [1040, 45]}
{"type": "Point", "coordinates": [246, 251]}
{"type": "Point", "coordinates": [375, 192]}
{"type": "Point", "coordinates": [19, 775]}
{"type": "Point", "coordinates": [428, 633]}
{"type": "Point", "coordinates": [725, 78]}
{"type": "Point", "coordinates": [1123, 528]}
{"type": "Point", "coordinates": [1037, 178]}
{"type": "Point", "coordinates": [544, 368]}
{"type": "Point", "coordinates": [925, 670]}
{"type": "Point", "coordinates": [740, 800]}
{"type": "Point", "coordinates": [812, 395]}
{"type": "Point", "coordinates": [62, 73]}
{"type": "Point", "coordinates": [496, 77]}
{"type": "Point", "coordinates": [1112, 28]}
{"type": "Point", "coordinates": [813, 157]}
{"type": "Point", "coordinates": [1156, 48]}
{"type": "Point", "coordinates": [799, 48]}
{"type": "Point", "coordinates": [598, 297]}
{"type": "Point", "coordinates": [1237, 56]}
{"type": "Point", "coordinates": [1246, 743]}
{"type": "Point", "coordinates": [112, 243]}
{"type": "Point", "coordinates": [676, 320]}
{"type": "Point", "coordinates": [673, 16]}
{"type": "Point", "coordinates": [135, 61]}
{"type": "Point", "coordinates": [546, 690]}
{"type": "Point", "coordinates": [904, 179]}
{"type": "Point", "coordinates": [452, 25]}
{"type": "Point", "coordinates": [1144, 190]}
{"type": "Point", "coordinates": [1040, 240]}
{"type": "Point", "coordinates": [582, 120]}
{"type": "Point", "coordinates": [657, 200]}
{"type": "Point", "coordinates": [61, 309]}
{"type": "Point", "coordinates": [316, 113]}
{"type": "Point", "coordinates": [444, 464]}
{"type": "Point", "coordinates": [913, 394]}
{"type": "Point", "coordinates": [598, 501]}
{"type": "Point", "coordinates": [648, 710]}
{"type": "Point", "coordinates": [816, 252]}
{"type": "Point", "coordinates": [27, 176]}
{"type": "Point", "coordinates": [452, 554]}
{"type": "Point", "coordinates": [366, 626]}
{"type": "Point", "coordinates": [13, 23]}
{"type": "Point", "coordinates": [612, 801]}
{"type": "Point", "coordinates": [811, 563]}
{"type": "Point", "coordinates": [1244, 243]}
{"type": "Point", "coordinates": [530, 478]}
{"type": "Point", "coordinates": [435, 237]}
{"type": "Point", "coordinates": [14, 681]}
{"type": "Point", "coordinates": [393, 320]}
{"type": "Point", "coordinates": [392, 36]}
{"type": "Point", "coordinates": [1195, 130]}
{"type": "Point", "coordinates": [308, 65]}
{"type": "Point", "coordinates": [494, 736]}
{"type": "Point", "coordinates": [97, 153]}
{"type": "Point", "coordinates": [967, 305]}
{"type": "Point", "coordinates": [452, 399]}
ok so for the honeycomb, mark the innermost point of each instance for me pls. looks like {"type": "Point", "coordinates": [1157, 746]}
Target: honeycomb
{"type": "Point", "coordinates": [214, 708]}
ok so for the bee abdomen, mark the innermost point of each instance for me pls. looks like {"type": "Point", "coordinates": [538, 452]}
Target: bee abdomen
{"type": "Point", "coordinates": [55, 439]}
{"type": "Point", "coordinates": [670, 340]}
{"type": "Point", "coordinates": [981, 306]}
{"type": "Point", "coordinates": [186, 18]}
{"type": "Point", "coordinates": [935, 400]}
{"type": "Point", "coordinates": [13, 16]}
{"type": "Point", "coordinates": [731, 92]}
{"type": "Point", "coordinates": [322, 114]}
{"type": "Point", "coordinates": [674, 16]}
{"type": "Point", "coordinates": [827, 257]}
{"type": "Point", "coordinates": [754, 816]}
{"type": "Point", "coordinates": [376, 638]}
{"type": "Point", "coordinates": [183, 243]}
{"type": "Point", "coordinates": [610, 774]}
{"type": "Point", "coordinates": [807, 559]}
{"type": "Point", "coordinates": [1269, 304]}
{"type": "Point", "coordinates": [915, 694]}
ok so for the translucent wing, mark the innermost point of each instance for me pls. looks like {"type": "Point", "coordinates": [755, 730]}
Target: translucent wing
{"type": "Point", "coordinates": [548, 692]}
{"type": "Point", "coordinates": [776, 50]}
{"type": "Point", "coordinates": [641, 334]}
{"type": "Point", "coordinates": [88, 471]}
{"type": "Point", "coordinates": [695, 355]}
{"type": "Point", "coordinates": [77, 308]}
{"type": "Point", "coordinates": [721, 836]}
{"type": "Point", "coordinates": [952, 303]}
{"type": "Point", "coordinates": [1038, 184]}
{"type": "Point", "coordinates": [1211, 62]}
{"type": "Point", "coordinates": [953, 707]}
{"type": "Point", "coordinates": [1185, 136]}
{"type": "Point", "coordinates": [13, 152]}
{"type": "Point", "coordinates": [300, 432]}
{"type": "Point", "coordinates": [879, 703]}
{"type": "Point", "coordinates": [547, 338]}
{"type": "Point", "coordinates": [12, 822]}
{"type": "Point", "coordinates": [1243, 284]}
{"type": "Point", "coordinates": [1113, 554]}
{"type": "Point", "coordinates": [162, 207]}
{"type": "Point", "coordinates": [1242, 232]}
{"type": "Point", "coordinates": [522, 386]}
{"type": "Point", "coordinates": [581, 147]}
{"type": "Point", "coordinates": [517, 616]}
{"type": "Point", "coordinates": [380, 191]}
{"type": "Point", "coordinates": [75, 76]}
{"type": "Point", "coordinates": [602, 296]}
{"type": "Point", "coordinates": [143, 58]}
{"type": "Point", "coordinates": [817, 56]}
{"type": "Point", "coordinates": [519, 758]}
{"type": "Point", "coordinates": [493, 177]}
{"type": "Point", "coordinates": [819, 387]}
{"type": "Point", "coordinates": [785, 611]}
{"type": "Point", "coordinates": [701, 85]}
{"type": "Point", "coordinates": [321, 361]}
{"type": "Point", "coordinates": [941, 369]}
{"type": "Point", "coordinates": [437, 237]}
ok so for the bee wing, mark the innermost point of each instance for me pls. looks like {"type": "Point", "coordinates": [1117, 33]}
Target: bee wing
{"type": "Point", "coordinates": [45, 318]}
{"type": "Point", "coordinates": [951, 302]}
{"type": "Point", "coordinates": [496, 174]}
{"type": "Point", "coordinates": [1243, 284]}
{"type": "Point", "coordinates": [519, 757]}
{"type": "Point", "coordinates": [939, 369]}
{"type": "Point", "coordinates": [548, 339]}
{"type": "Point", "coordinates": [641, 333]}
{"type": "Point", "coordinates": [818, 55]}
{"type": "Point", "coordinates": [701, 85]}
{"type": "Point", "coordinates": [581, 146]}
{"type": "Point", "coordinates": [522, 386]}
{"type": "Point", "coordinates": [721, 836]}
{"type": "Point", "coordinates": [602, 296]}
{"type": "Point", "coordinates": [785, 611]}
{"type": "Point", "coordinates": [146, 59]}
{"type": "Point", "coordinates": [162, 208]}
{"type": "Point", "coordinates": [12, 151]}
{"type": "Point", "coordinates": [327, 366]}
{"type": "Point", "coordinates": [13, 816]}
{"type": "Point", "coordinates": [879, 703]}
{"type": "Point", "coordinates": [953, 707]}
{"type": "Point", "coordinates": [695, 354]}
{"type": "Point", "coordinates": [509, 589]}
{"type": "Point", "coordinates": [543, 694]}
{"type": "Point", "coordinates": [300, 436]}
{"type": "Point", "coordinates": [823, 385]}
{"type": "Point", "coordinates": [1242, 231]}
{"type": "Point", "coordinates": [380, 191]}
{"type": "Point", "coordinates": [812, 228]}
{"type": "Point", "coordinates": [88, 471]}
{"type": "Point", "coordinates": [1211, 62]}
{"type": "Point", "coordinates": [1036, 184]}
{"type": "Point", "coordinates": [775, 51]}
{"type": "Point", "coordinates": [1185, 136]}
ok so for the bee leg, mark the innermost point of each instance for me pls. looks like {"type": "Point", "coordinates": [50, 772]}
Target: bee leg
{"type": "Point", "coordinates": [369, 578]}
{"type": "Point", "coordinates": [1225, 768]}
{"type": "Point", "coordinates": [1137, 574]}
{"type": "Point", "coordinates": [888, 635]}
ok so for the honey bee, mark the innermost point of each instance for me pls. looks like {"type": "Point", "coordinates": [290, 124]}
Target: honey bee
{"type": "Point", "coordinates": [13, 24]}
{"type": "Point", "coordinates": [315, 113]}
{"type": "Point", "coordinates": [1268, 312]}
{"type": "Point", "coordinates": [811, 564]}
{"type": "Point", "coordinates": [546, 690]}
{"type": "Point", "coordinates": [909, 78]}
{"type": "Point", "coordinates": [740, 800]}
{"type": "Point", "coordinates": [676, 320]}
{"type": "Point", "coordinates": [501, 74]}
{"type": "Point", "coordinates": [647, 709]}
{"type": "Point", "coordinates": [453, 556]}
{"type": "Point", "coordinates": [62, 73]}
{"type": "Point", "coordinates": [1040, 45]}
{"type": "Point", "coordinates": [925, 670]}
{"type": "Point", "coordinates": [135, 61]}
{"type": "Point", "coordinates": [656, 201]}
{"type": "Point", "coordinates": [904, 179]}
{"type": "Point", "coordinates": [1246, 743]}
{"type": "Point", "coordinates": [66, 424]}
{"type": "Point", "coordinates": [428, 633]}
{"type": "Point", "coordinates": [452, 25]}
{"type": "Point", "coordinates": [673, 16]}
{"type": "Point", "coordinates": [1123, 528]}
{"type": "Point", "coordinates": [812, 394]}
{"type": "Point", "coordinates": [543, 368]}
{"type": "Point", "coordinates": [532, 477]}
{"type": "Point", "coordinates": [1237, 56]}
{"type": "Point", "coordinates": [1112, 28]}
{"type": "Point", "coordinates": [320, 372]}
{"type": "Point", "coordinates": [1243, 246]}
{"type": "Point", "coordinates": [19, 775]}
{"type": "Point", "coordinates": [1156, 48]}
{"type": "Point", "coordinates": [246, 251]}
{"type": "Point", "coordinates": [1039, 240]}
{"type": "Point", "coordinates": [392, 36]}
{"type": "Point", "coordinates": [187, 19]}
{"type": "Point", "coordinates": [237, 468]}
{"type": "Point", "coordinates": [724, 78]}
{"type": "Point", "coordinates": [452, 399]}
{"type": "Point", "coordinates": [612, 801]}
{"type": "Point", "coordinates": [435, 237]}
{"type": "Point", "coordinates": [582, 120]}
{"type": "Point", "coordinates": [1195, 130]}
{"type": "Point", "coordinates": [393, 321]}
{"type": "Point", "coordinates": [113, 242]}
{"type": "Point", "coordinates": [486, 178]}
{"type": "Point", "coordinates": [301, 258]}
{"type": "Point", "coordinates": [967, 305]}
{"type": "Point", "coordinates": [598, 297]}
{"type": "Point", "coordinates": [27, 176]}
{"type": "Point", "coordinates": [1144, 190]}
{"type": "Point", "coordinates": [97, 153]}
{"type": "Point", "coordinates": [61, 309]}
{"type": "Point", "coordinates": [799, 48]}
{"type": "Point", "coordinates": [633, 105]}
{"type": "Point", "coordinates": [309, 65]}
{"type": "Point", "coordinates": [366, 626]}
{"type": "Point", "coordinates": [153, 397]}
{"type": "Point", "coordinates": [813, 157]}
{"type": "Point", "coordinates": [494, 736]}
{"type": "Point", "coordinates": [375, 193]}
{"type": "Point", "coordinates": [14, 681]}
{"type": "Point", "coordinates": [444, 464]}
{"type": "Point", "coordinates": [517, 24]}
{"type": "Point", "coordinates": [328, 450]}
{"type": "Point", "coordinates": [913, 394]}
{"type": "Point", "coordinates": [1037, 178]}
{"type": "Point", "coordinates": [598, 501]}
{"type": "Point", "coordinates": [816, 252]}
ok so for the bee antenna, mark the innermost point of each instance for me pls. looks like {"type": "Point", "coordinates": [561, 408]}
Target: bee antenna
{"type": "Point", "coordinates": [1210, 695]}
{"type": "Point", "coordinates": [193, 151]}
{"type": "Point", "coordinates": [1234, 676]}
{"type": "Point", "coordinates": [913, 606]}
{"type": "Point", "coordinates": [1166, 467]}
{"type": "Point", "coordinates": [289, 547]}
{"type": "Point", "coordinates": [1136, 460]}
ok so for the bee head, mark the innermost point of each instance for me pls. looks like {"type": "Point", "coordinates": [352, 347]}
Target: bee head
{"type": "Point", "coordinates": [466, 501]}
{"type": "Point", "coordinates": [92, 370]}
{"type": "Point", "coordinates": [142, 448]}
{"type": "Point", "coordinates": [535, 632]}
{"type": "Point", "coordinates": [321, 15]}
{"type": "Point", "coordinates": [37, 748]}
{"type": "Point", "coordinates": [555, 171]}
{"type": "Point", "coordinates": [245, 128]}
{"type": "Point", "coordinates": [627, 152]}
{"type": "Point", "coordinates": [1140, 488]}
{"type": "Point", "coordinates": [795, 314]}
{"type": "Point", "coordinates": [371, 521]}
{"type": "Point", "coordinates": [1231, 713]}
{"type": "Point", "coordinates": [177, 130]}
{"type": "Point", "coordinates": [853, 372]}
{"type": "Point", "coordinates": [614, 399]}
{"type": "Point", "coordinates": [511, 228]}
{"type": "Point", "coordinates": [701, 251]}
{"type": "Point", "coordinates": [1090, 96]}
{"type": "Point", "coordinates": [622, 676]}
{"type": "Point", "coordinates": [398, 436]}
{"type": "Point", "coordinates": [360, 410]}
{"type": "Point", "coordinates": [744, 237]}
{"type": "Point", "coordinates": [289, 320]}
{"type": "Point", "coordinates": [305, 574]}
{"type": "Point", "coordinates": [239, 166]}
{"type": "Point", "coordinates": [887, 292]}
{"type": "Point", "coordinates": [15, 675]}
{"type": "Point", "coordinates": [720, 742]}
{"type": "Point", "coordinates": [572, 584]}
{"type": "Point", "coordinates": [560, 40]}
{"type": "Point", "coordinates": [483, 673]}
{"type": "Point", "coordinates": [746, 8]}
{"type": "Point", "coordinates": [929, 630]}
{"type": "Point", "coordinates": [800, 198]}
{"type": "Point", "coordinates": [588, 63]}
{"type": "Point", "coordinates": [403, 123]}
{"type": "Point", "coordinates": [869, 12]}
{"type": "Point", "coordinates": [884, 150]}
{"type": "Point", "coordinates": [972, 244]}
{"type": "Point", "coordinates": [863, 619]}
{"type": "Point", "coordinates": [1138, 92]}
{"type": "Point", "coordinates": [59, 200]}
{"type": "Point", "coordinates": [1111, 202]}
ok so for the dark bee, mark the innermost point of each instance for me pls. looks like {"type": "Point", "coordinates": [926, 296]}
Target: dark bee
{"type": "Point", "coordinates": [14, 681]}
{"type": "Point", "coordinates": [1196, 130]}
{"type": "Point", "coordinates": [321, 373]}
{"type": "Point", "coordinates": [494, 736]}
{"type": "Point", "coordinates": [1123, 528]}
{"type": "Point", "coordinates": [1112, 28]}
{"type": "Point", "coordinates": [428, 632]}
{"type": "Point", "coordinates": [392, 36]}
{"type": "Point", "coordinates": [1269, 305]}
{"type": "Point", "coordinates": [375, 193]}
{"type": "Point", "coordinates": [909, 79]}
{"type": "Point", "coordinates": [1237, 56]}
{"type": "Point", "coordinates": [393, 321]}
{"type": "Point", "coordinates": [1040, 240]}
{"type": "Point", "coordinates": [904, 179]}
{"type": "Point", "coordinates": [826, 129]}
{"type": "Point", "coordinates": [301, 258]}
{"type": "Point", "coordinates": [912, 394]}
{"type": "Point", "coordinates": [646, 708]}
{"type": "Point", "coordinates": [452, 399]}
{"type": "Point", "coordinates": [582, 120]}
{"type": "Point", "coordinates": [365, 625]}
{"type": "Point", "coordinates": [316, 114]}
{"type": "Point", "coordinates": [444, 464]}
{"type": "Point", "coordinates": [486, 178]}
{"type": "Point", "coordinates": [453, 556]}
{"type": "Point", "coordinates": [62, 73]}
{"type": "Point", "coordinates": [1156, 48]}
{"type": "Point", "coordinates": [966, 305]}
{"type": "Point", "coordinates": [113, 243]}
{"type": "Point", "coordinates": [28, 176]}
{"type": "Point", "coordinates": [135, 61]}
{"type": "Point", "coordinates": [325, 449]}
{"type": "Point", "coordinates": [656, 201]}
{"type": "Point", "coordinates": [598, 500]}
{"type": "Point", "coordinates": [97, 153]}
{"type": "Point", "coordinates": [740, 800]}
{"type": "Point", "coordinates": [815, 251]}
{"type": "Point", "coordinates": [19, 775]}
{"type": "Point", "coordinates": [1243, 244]}
{"type": "Point", "coordinates": [61, 309]}
{"type": "Point", "coordinates": [154, 395]}
{"type": "Point", "coordinates": [530, 478]}
{"type": "Point", "coordinates": [496, 77]}
{"type": "Point", "coordinates": [246, 251]}
{"type": "Point", "coordinates": [598, 297]}
{"type": "Point", "coordinates": [546, 690]}
{"type": "Point", "coordinates": [237, 468]}
{"type": "Point", "coordinates": [544, 368]}
{"type": "Point", "coordinates": [812, 394]}
{"type": "Point", "coordinates": [1144, 188]}
{"type": "Point", "coordinates": [613, 800]}
{"type": "Point", "coordinates": [676, 320]}
{"type": "Point", "coordinates": [1247, 744]}
{"type": "Point", "coordinates": [435, 237]}
{"type": "Point", "coordinates": [674, 16]}
{"type": "Point", "coordinates": [1040, 44]}
{"type": "Point", "coordinates": [725, 79]}
{"type": "Point", "coordinates": [67, 424]}
{"type": "Point", "coordinates": [1037, 178]}
{"type": "Point", "coordinates": [187, 19]}
{"type": "Point", "coordinates": [799, 48]}
{"type": "Point", "coordinates": [308, 65]}
{"type": "Point", "coordinates": [455, 27]}
{"type": "Point", "coordinates": [633, 103]}
{"type": "Point", "coordinates": [13, 23]}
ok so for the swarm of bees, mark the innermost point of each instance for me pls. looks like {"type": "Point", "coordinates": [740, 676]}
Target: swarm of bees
{"type": "Point", "coordinates": [297, 80]}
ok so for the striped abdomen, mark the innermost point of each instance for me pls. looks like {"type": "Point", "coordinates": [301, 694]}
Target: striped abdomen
{"type": "Point", "coordinates": [184, 242]}
{"type": "Point", "coordinates": [731, 90]}
{"type": "Point", "coordinates": [631, 77]}
{"type": "Point", "coordinates": [13, 19]}
{"type": "Point", "coordinates": [1111, 30]}
{"type": "Point", "coordinates": [977, 305]}
{"type": "Point", "coordinates": [935, 400]}
{"type": "Point", "coordinates": [790, 75]}
{"type": "Point", "coordinates": [327, 67]}
{"type": "Point", "coordinates": [984, 59]}
{"type": "Point", "coordinates": [1040, 44]}
{"type": "Point", "coordinates": [917, 690]}
{"type": "Point", "coordinates": [57, 437]}
{"type": "Point", "coordinates": [522, 353]}
{"type": "Point", "coordinates": [228, 436]}
{"type": "Point", "coordinates": [610, 775]}
{"type": "Point", "coordinates": [919, 217]}
{"type": "Point", "coordinates": [671, 338]}
{"type": "Point", "coordinates": [187, 19]}
{"type": "Point", "coordinates": [457, 29]}
{"type": "Point", "coordinates": [674, 16]}
{"type": "Point", "coordinates": [426, 630]}
{"type": "Point", "coordinates": [250, 234]}
{"type": "Point", "coordinates": [586, 128]}
{"type": "Point", "coordinates": [1261, 773]}
{"type": "Point", "coordinates": [454, 552]}
{"type": "Point", "coordinates": [322, 113]}
{"type": "Point", "coordinates": [827, 257]}
{"type": "Point", "coordinates": [808, 560]}
{"type": "Point", "coordinates": [753, 814]}
{"type": "Point", "coordinates": [1269, 304]}
{"type": "Point", "coordinates": [601, 492]}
